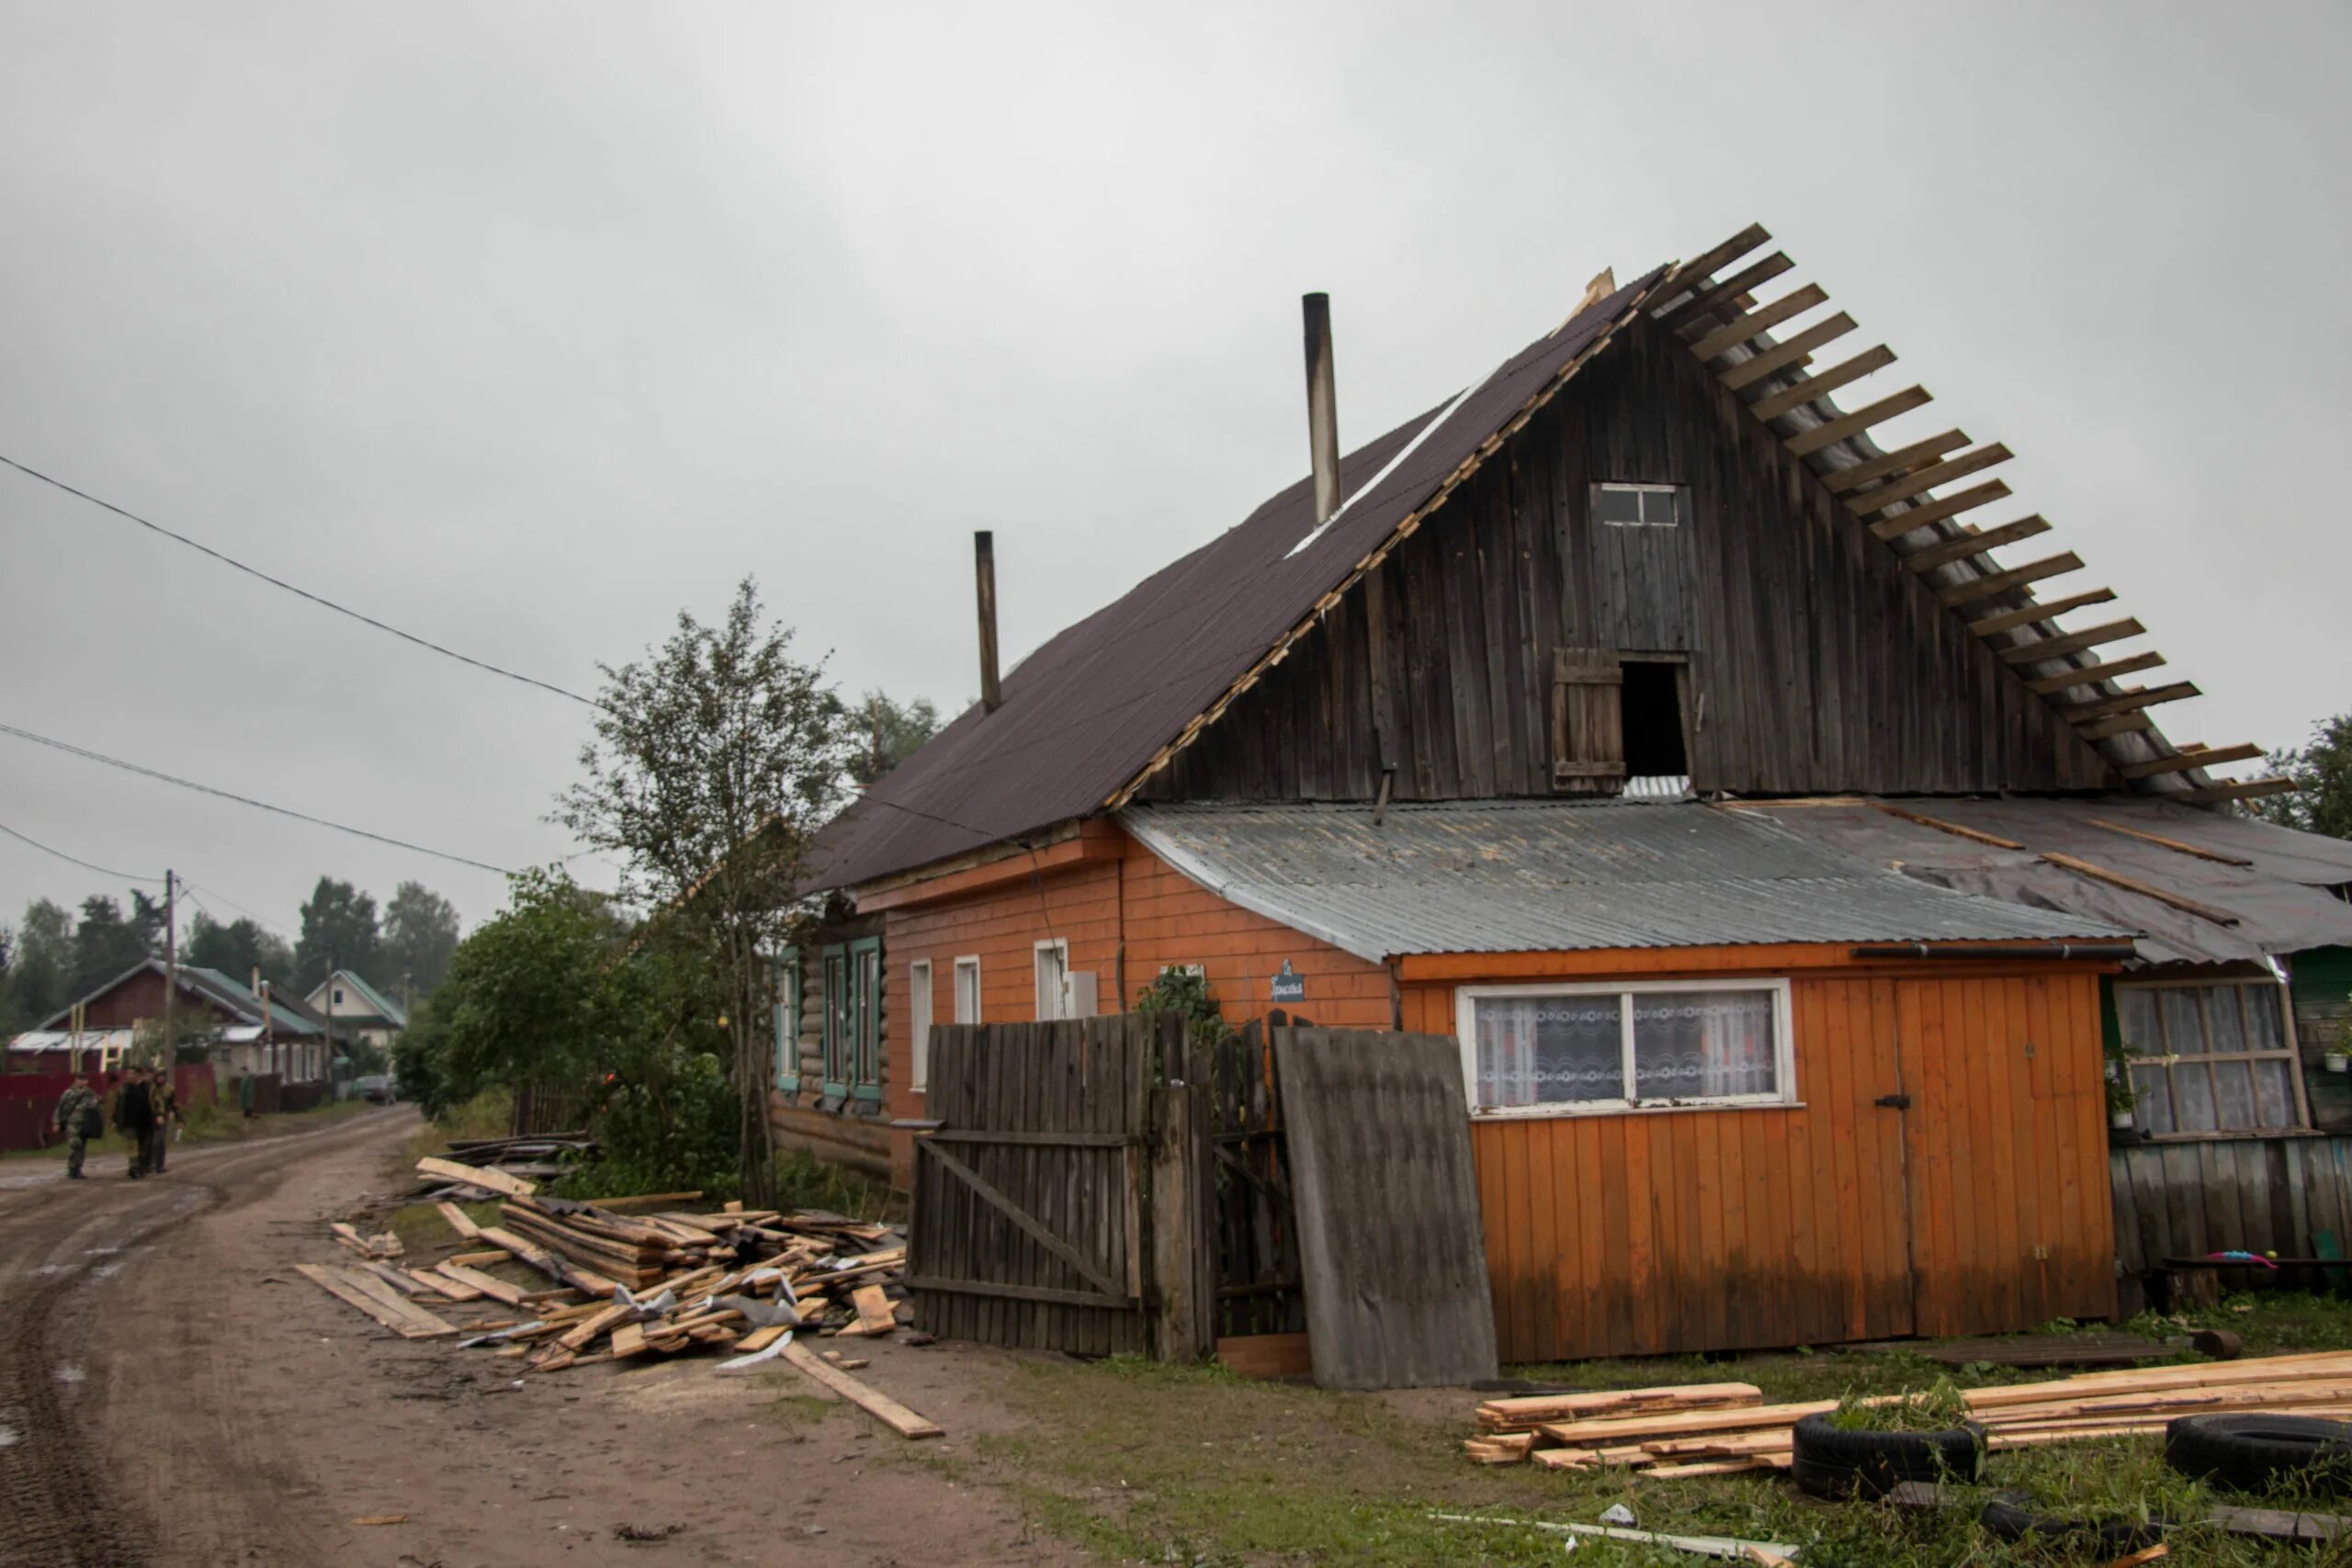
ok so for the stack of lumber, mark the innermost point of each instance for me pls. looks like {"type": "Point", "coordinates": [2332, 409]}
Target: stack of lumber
{"type": "Point", "coordinates": [1721, 1429]}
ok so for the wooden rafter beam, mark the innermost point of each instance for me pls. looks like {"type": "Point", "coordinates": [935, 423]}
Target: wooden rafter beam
{"type": "Point", "coordinates": [2121, 723]}
{"type": "Point", "coordinates": [1762, 320]}
{"type": "Point", "coordinates": [2176, 845]}
{"type": "Point", "coordinates": [1916, 455]}
{"type": "Point", "coordinates": [2009, 620]}
{"type": "Point", "coordinates": [1896, 525]}
{"type": "Point", "coordinates": [2133, 885]}
{"type": "Point", "coordinates": [1730, 288]}
{"type": "Point", "coordinates": [1969, 544]}
{"type": "Point", "coordinates": [1782, 355]}
{"type": "Point", "coordinates": [1714, 260]}
{"type": "Point", "coordinates": [2202, 758]}
{"type": "Point", "coordinates": [1823, 384]}
{"type": "Point", "coordinates": [2090, 674]}
{"type": "Point", "coordinates": [2249, 790]}
{"type": "Point", "coordinates": [1908, 485]}
{"type": "Point", "coordinates": [1958, 594]}
{"type": "Point", "coordinates": [1861, 419]}
{"type": "Point", "coordinates": [2073, 642]}
{"type": "Point", "coordinates": [2128, 701]}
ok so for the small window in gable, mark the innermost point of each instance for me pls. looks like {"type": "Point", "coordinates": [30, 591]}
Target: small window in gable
{"type": "Point", "coordinates": [1637, 505]}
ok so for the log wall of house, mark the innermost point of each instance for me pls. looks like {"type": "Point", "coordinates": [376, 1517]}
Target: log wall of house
{"type": "Point", "coordinates": [1817, 662]}
{"type": "Point", "coordinates": [1981, 1208]}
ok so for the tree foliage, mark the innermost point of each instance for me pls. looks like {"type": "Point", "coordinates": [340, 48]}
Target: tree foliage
{"type": "Point", "coordinates": [107, 943]}
{"type": "Point", "coordinates": [555, 991]}
{"type": "Point", "coordinates": [338, 931]}
{"type": "Point", "coordinates": [237, 948]}
{"type": "Point", "coordinates": [420, 934]}
{"type": "Point", "coordinates": [2322, 771]}
{"type": "Point", "coordinates": [714, 759]}
{"type": "Point", "coordinates": [40, 970]}
{"type": "Point", "coordinates": [885, 733]}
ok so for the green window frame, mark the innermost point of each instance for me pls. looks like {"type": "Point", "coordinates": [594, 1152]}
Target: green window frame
{"type": "Point", "coordinates": [853, 1021]}
{"type": "Point", "coordinates": [787, 1022]}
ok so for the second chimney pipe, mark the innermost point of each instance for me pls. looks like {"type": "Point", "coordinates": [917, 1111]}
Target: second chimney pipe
{"type": "Point", "coordinates": [984, 563]}
{"type": "Point", "coordinates": [1322, 407]}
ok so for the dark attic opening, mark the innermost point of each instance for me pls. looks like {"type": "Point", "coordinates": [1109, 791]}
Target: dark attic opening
{"type": "Point", "coordinates": [1652, 710]}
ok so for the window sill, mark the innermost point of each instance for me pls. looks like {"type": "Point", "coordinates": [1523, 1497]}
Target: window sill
{"type": "Point", "coordinates": [1563, 1113]}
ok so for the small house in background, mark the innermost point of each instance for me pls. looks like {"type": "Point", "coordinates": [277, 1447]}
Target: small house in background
{"type": "Point", "coordinates": [1518, 724]}
{"type": "Point", "coordinates": [257, 1036]}
{"type": "Point", "coordinates": [355, 1009]}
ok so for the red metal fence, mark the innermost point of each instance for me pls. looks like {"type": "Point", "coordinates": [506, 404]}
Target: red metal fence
{"type": "Point", "coordinates": [28, 1101]}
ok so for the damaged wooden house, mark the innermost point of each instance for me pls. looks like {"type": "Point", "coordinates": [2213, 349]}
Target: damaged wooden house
{"type": "Point", "coordinates": [1787, 864]}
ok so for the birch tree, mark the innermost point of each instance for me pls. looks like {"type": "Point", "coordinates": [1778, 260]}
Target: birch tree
{"type": "Point", "coordinates": [716, 758]}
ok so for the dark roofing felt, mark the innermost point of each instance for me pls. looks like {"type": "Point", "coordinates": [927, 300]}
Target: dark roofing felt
{"type": "Point", "coordinates": [1543, 875]}
{"type": "Point", "coordinates": [2280, 902]}
{"type": "Point", "coordinates": [1084, 713]}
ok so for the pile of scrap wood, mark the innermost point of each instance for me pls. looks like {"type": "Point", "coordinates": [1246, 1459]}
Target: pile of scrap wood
{"type": "Point", "coordinates": [642, 1277]}
{"type": "Point", "coordinates": [479, 1168]}
{"type": "Point", "coordinates": [1721, 1429]}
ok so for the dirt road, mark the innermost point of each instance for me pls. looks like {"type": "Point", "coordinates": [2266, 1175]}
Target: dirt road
{"type": "Point", "coordinates": [172, 1393]}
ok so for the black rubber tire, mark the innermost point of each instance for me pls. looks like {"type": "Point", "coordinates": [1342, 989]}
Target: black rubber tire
{"type": "Point", "coordinates": [2111, 1538]}
{"type": "Point", "coordinates": [1830, 1461]}
{"type": "Point", "coordinates": [2259, 1453]}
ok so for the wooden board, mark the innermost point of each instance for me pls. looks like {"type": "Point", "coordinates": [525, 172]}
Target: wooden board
{"type": "Point", "coordinates": [1391, 1251]}
{"type": "Point", "coordinates": [376, 1300]}
{"type": "Point", "coordinates": [454, 1290]}
{"type": "Point", "coordinates": [874, 1402]}
{"type": "Point", "coordinates": [1274, 1357]}
{"type": "Point", "coordinates": [459, 1221]}
{"type": "Point", "coordinates": [483, 1177]}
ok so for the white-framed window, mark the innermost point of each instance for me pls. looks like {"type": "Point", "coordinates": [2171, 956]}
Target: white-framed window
{"type": "Point", "coordinates": [1053, 978]}
{"type": "Point", "coordinates": [918, 1020]}
{"type": "Point", "coordinates": [1625, 1046]}
{"type": "Point", "coordinates": [2211, 1057]}
{"type": "Point", "coordinates": [1637, 505]}
{"type": "Point", "coordinates": [967, 988]}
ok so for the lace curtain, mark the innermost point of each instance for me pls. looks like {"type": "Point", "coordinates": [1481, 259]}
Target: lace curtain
{"type": "Point", "coordinates": [1568, 1050]}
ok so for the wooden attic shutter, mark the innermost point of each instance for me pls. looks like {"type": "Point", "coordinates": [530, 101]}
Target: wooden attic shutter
{"type": "Point", "coordinates": [1587, 721]}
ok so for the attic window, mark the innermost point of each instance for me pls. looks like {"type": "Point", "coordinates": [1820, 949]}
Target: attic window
{"type": "Point", "coordinates": [1637, 505]}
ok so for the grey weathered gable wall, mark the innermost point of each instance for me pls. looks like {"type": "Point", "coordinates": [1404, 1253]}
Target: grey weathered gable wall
{"type": "Point", "coordinates": [1817, 662]}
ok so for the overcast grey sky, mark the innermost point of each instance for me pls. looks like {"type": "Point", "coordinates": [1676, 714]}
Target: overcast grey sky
{"type": "Point", "coordinates": [523, 326]}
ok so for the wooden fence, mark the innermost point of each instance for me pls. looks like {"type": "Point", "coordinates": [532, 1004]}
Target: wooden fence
{"type": "Point", "coordinates": [1057, 1201]}
{"type": "Point", "coordinates": [1255, 1238]}
{"type": "Point", "coordinates": [2291, 1196]}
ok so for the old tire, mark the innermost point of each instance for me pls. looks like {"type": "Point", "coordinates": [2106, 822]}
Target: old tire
{"type": "Point", "coordinates": [2258, 1453]}
{"type": "Point", "coordinates": [2108, 1538]}
{"type": "Point", "coordinates": [1830, 1461]}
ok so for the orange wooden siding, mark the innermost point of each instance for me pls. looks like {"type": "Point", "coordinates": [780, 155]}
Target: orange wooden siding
{"type": "Point", "coordinates": [1132, 914]}
{"type": "Point", "coordinates": [1833, 1220]}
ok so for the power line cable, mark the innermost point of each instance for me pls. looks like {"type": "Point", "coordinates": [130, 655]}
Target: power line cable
{"type": "Point", "coordinates": [246, 800]}
{"type": "Point", "coordinates": [76, 859]}
{"type": "Point", "coordinates": [302, 593]}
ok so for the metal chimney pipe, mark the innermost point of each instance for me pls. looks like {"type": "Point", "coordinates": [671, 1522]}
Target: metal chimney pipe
{"type": "Point", "coordinates": [1322, 407]}
{"type": "Point", "coordinates": [984, 561]}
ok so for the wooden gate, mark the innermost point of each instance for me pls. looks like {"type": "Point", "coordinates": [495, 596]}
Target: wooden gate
{"type": "Point", "coordinates": [1057, 1199]}
{"type": "Point", "coordinates": [1255, 1239]}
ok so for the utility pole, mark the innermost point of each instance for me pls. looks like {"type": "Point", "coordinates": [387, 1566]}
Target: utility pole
{"type": "Point", "coordinates": [329, 1049]}
{"type": "Point", "coordinates": [171, 971]}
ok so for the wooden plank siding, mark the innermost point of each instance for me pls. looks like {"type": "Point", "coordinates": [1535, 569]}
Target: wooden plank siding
{"type": "Point", "coordinates": [2252, 1194]}
{"type": "Point", "coordinates": [1834, 1219]}
{"type": "Point", "coordinates": [1821, 663]}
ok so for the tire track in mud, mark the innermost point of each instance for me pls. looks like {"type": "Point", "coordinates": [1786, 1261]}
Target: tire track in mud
{"type": "Point", "coordinates": [60, 1507]}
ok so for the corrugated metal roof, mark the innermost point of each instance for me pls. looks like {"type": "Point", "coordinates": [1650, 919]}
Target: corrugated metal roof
{"type": "Point", "coordinates": [1510, 876]}
{"type": "Point", "coordinates": [2280, 901]}
{"type": "Point", "coordinates": [1084, 713]}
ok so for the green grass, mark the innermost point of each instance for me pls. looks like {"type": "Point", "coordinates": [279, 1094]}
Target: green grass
{"type": "Point", "coordinates": [490, 1114]}
{"type": "Point", "coordinates": [1141, 1462]}
{"type": "Point", "coordinates": [803, 1182]}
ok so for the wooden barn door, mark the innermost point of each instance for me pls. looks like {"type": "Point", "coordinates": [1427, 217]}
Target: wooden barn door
{"type": "Point", "coordinates": [2011, 1221]}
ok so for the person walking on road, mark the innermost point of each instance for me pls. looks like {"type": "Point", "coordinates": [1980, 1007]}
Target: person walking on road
{"type": "Point", "coordinates": [167, 1115]}
{"type": "Point", "coordinates": [81, 1116]}
{"type": "Point", "coordinates": [134, 1117]}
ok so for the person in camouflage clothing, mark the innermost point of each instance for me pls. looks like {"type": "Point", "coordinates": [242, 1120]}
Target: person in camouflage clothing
{"type": "Point", "coordinates": [81, 1118]}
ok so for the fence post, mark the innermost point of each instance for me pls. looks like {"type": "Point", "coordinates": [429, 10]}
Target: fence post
{"type": "Point", "coordinates": [1183, 1260]}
